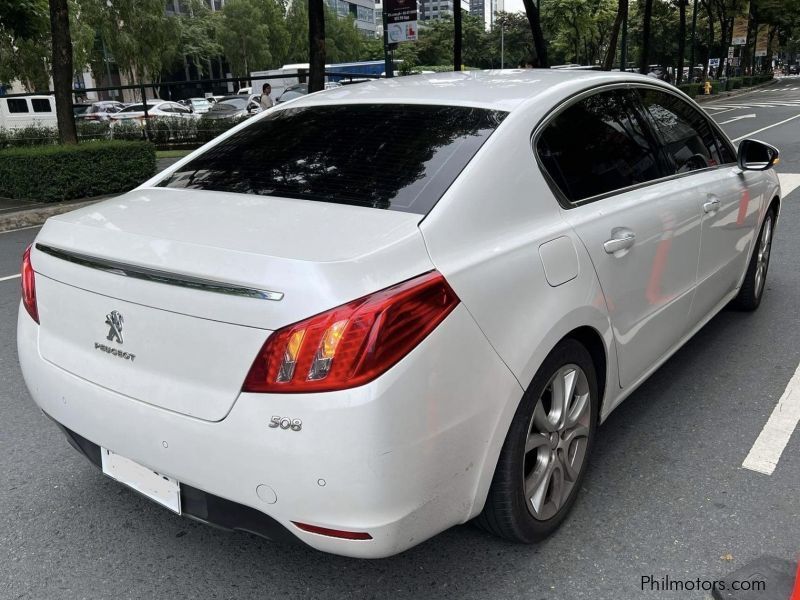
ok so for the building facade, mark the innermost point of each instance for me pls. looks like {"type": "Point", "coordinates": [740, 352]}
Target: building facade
{"type": "Point", "coordinates": [431, 10]}
{"type": "Point", "coordinates": [486, 10]}
{"type": "Point", "coordinates": [362, 11]}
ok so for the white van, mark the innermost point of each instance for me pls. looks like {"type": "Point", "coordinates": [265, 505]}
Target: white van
{"type": "Point", "coordinates": [23, 111]}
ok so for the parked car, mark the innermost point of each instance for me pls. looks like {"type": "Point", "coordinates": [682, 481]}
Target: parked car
{"type": "Point", "coordinates": [372, 314]}
{"type": "Point", "coordinates": [231, 107]}
{"type": "Point", "coordinates": [301, 89]}
{"type": "Point", "coordinates": [198, 106]}
{"type": "Point", "coordinates": [24, 111]}
{"type": "Point", "coordinates": [155, 109]}
{"type": "Point", "coordinates": [100, 111]}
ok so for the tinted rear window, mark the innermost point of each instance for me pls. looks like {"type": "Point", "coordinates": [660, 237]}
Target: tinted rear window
{"type": "Point", "coordinates": [390, 156]}
{"type": "Point", "coordinates": [41, 105]}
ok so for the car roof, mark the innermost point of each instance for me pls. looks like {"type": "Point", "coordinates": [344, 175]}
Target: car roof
{"type": "Point", "coordinates": [494, 89]}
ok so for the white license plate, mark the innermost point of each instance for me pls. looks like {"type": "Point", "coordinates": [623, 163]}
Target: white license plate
{"type": "Point", "coordinates": [164, 490]}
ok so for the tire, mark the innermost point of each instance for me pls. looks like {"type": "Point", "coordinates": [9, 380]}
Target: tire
{"type": "Point", "coordinates": [752, 290]}
{"type": "Point", "coordinates": [553, 467]}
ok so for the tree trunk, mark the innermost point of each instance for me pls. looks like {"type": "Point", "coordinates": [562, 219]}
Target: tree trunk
{"type": "Point", "coordinates": [622, 13]}
{"type": "Point", "coordinates": [457, 35]}
{"type": "Point", "coordinates": [532, 12]}
{"type": "Point", "coordinates": [316, 45]}
{"type": "Point", "coordinates": [644, 57]}
{"type": "Point", "coordinates": [62, 71]}
{"type": "Point", "coordinates": [681, 40]}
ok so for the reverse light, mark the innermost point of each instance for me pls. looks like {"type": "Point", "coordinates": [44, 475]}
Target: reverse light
{"type": "Point", "coordinates": [29, 286]}
{"type": "Point", "coordinates": [354, 343]}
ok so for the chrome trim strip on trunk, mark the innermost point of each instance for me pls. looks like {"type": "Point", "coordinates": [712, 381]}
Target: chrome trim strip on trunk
{"type": "Point", "coordinates": [187, 281]}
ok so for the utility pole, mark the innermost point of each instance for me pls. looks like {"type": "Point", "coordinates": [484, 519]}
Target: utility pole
{"type": "Point", "coordinates": [388, 67]}
{"type": "Point", "coordinates": [502, 45]}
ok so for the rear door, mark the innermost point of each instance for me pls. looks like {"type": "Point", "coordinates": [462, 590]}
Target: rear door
{"type": "Point", "coordinates": [729, 204]}
{"type": "Point", "coordinates": [641, 229]}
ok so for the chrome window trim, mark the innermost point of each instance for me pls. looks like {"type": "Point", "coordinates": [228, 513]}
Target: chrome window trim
{"type": "Point", "coordinates": [158, 276]}
{"type": "Point", "coordinates": [565, 202]}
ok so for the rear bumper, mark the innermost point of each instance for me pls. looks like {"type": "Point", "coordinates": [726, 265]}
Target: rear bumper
{"type": "Point", "coordinates": [401, 458]}
{"type": "Point", "coordinates": [199, 505]}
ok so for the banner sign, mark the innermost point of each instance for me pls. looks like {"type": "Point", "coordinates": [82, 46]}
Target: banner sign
{"type": "Point", "coordinates": [401, 20]}
{"type": "Point", "coordinates": [762, 39]}
{"type": "Point", "coordinates": [739, 37]}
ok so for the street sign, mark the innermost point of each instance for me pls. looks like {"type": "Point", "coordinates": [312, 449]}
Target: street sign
{"type": "Point", "coordinates": [401, 20]}
{"type": "Point", "coordinates": [730, 51]}
{"type": "Point", "coordinates": [713, 62]}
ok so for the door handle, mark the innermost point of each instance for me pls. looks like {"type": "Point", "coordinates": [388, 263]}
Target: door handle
{"type": "Point", "coordinates": [711, 205]}
{"type": "Point", "coordinates": [621, 239]}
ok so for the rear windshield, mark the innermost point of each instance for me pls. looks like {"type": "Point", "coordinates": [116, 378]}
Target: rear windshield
{"type": "Point", "coordinates": [390, 156]}
{"type": "Point", "coordinates": [137, 108]}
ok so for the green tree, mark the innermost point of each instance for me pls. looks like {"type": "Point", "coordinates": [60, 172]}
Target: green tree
{"type": "Point", "coordinates": [244, 36]}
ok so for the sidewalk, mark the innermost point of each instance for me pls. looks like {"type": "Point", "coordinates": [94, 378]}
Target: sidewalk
{"type": "Point", "coordinates": [15, 214]}
{"type": "Point", "coordinates": [700, 98]}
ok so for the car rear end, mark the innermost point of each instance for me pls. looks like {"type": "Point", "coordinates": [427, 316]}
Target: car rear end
{"type": "Point", "coordinates": [261, 341]}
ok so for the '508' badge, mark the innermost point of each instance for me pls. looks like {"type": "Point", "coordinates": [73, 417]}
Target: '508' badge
{"type": "Point", "coordinates": [285, 423]}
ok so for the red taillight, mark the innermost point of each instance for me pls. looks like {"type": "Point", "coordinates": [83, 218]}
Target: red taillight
{"type": "Point", "coordinates": [354, 343]}
{"type": "Point", "coordinates": [337, 533]}
{"type": "Point", "coordinates": [29, 286]}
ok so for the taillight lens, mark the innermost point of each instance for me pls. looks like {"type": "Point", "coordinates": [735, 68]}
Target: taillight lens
{"type": "Point", "coordinates": [29, 286]}
{"type": "Point", "coordinates": [354, 343]}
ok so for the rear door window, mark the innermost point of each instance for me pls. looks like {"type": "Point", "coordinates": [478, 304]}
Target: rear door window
{"type": "Point", "coordinates": [688, 138]}
{"type": "Point", "coordinates": [391, 156]}
{"type": "Point", "coordinates": [598, 145]}
{"type": "Point", "coordinates": [41, 105]}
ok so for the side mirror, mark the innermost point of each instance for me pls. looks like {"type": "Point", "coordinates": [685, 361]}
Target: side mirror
{"type": "Point", "coordinates": [756, 156]}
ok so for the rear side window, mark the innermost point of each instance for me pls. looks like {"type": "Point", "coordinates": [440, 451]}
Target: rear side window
{"type": "Point", "coordinates": [598, 145]}
{"type": "Point", "coordinates": [689, 140]}
{"type": "Point", "coordinates": [17, 105]}
{"type": "Point", "coordinates": [41, 105]}
{"type": "Point", "coordinates": [390, 156]}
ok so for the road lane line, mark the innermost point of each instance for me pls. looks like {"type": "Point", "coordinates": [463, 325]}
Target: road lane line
{"type": "Point", "coordinates": [10, 277]}
{"type": "Point", "coordinates": [20, 229]}
{"type": "Point", "coordinates": [741, 137]}
{"type": "Point", "coordinates": [789, 182]}
{"type": "Point", "coordinates": [771, 442]}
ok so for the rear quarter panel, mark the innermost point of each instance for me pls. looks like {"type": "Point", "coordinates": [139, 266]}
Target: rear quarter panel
{"type": "Point", "coordinates": [485, 236]}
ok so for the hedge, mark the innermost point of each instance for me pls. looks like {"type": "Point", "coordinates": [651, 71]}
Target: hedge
{"type": "Point", "coordinates": [53, 173]}
{"type": "Point", "coordinates": [165, 133]}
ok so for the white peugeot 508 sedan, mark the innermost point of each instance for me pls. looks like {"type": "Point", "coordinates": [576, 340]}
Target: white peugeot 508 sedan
{"type": "Point", "coordinates": [379, 311]}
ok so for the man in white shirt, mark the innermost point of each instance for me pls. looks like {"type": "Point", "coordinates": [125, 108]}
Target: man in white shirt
{"type": "Point", "coordinates": [266, 100]}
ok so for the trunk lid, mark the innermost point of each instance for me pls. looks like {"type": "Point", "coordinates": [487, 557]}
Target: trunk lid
{"type": "Point", "coordinates": [188, 337]}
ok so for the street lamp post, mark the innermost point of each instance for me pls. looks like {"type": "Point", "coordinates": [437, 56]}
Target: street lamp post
{"type": "Point", "coordinates": [502, 46]}
{"type": "Point", "coordinates": [694, 41]}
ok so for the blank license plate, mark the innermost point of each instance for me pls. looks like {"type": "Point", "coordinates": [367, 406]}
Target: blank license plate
{"type": "Point", "coordinates": [164, 490]}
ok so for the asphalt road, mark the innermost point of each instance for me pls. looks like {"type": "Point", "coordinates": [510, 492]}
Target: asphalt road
{"type": "Point", "coordinates": [665, 495]}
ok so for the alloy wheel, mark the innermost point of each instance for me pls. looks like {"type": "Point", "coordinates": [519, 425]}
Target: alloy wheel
{"type": "Point", "coordinates": [555, 448]}
{"type": "Point", "coordinates": [762, 259]}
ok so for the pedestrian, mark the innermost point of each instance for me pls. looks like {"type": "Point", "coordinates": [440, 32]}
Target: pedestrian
{"type": "Point", "coordinates": [265, 100]}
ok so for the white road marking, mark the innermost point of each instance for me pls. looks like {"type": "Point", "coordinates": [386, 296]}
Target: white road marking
{"type": "Point", "coordinates": [20, 229]}
{"type": "Point", "coordinates": [771, 442]}
{"type": "Point", "coordinates": [789, 182]}
{"type": "Point", "coordinates": [740, 138]}
{"type": "Point", "coordinates": [739, 118]}
{"type": "Point", "coordinates": [9, 277]}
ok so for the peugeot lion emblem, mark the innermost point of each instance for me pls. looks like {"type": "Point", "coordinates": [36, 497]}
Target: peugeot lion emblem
{"type": "Point", "coordinates": [114, 321]}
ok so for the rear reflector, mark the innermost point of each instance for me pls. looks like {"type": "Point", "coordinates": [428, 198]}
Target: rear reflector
{"type": "Point", "coordinates": [335, 533]}
{"type": "Point", "coordinates": [354, 343]}
{"type": "Point", "coordinates": [29, 286]}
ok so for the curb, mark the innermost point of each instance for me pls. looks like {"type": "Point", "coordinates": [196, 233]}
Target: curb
{"type": "Point", "coordinates": [701, 98]}
{"type": "Point", "coordinates": [36, 216]}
